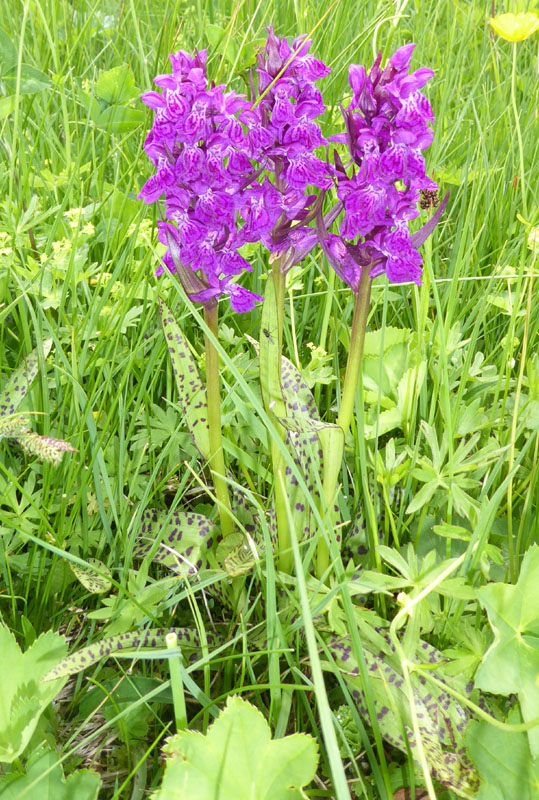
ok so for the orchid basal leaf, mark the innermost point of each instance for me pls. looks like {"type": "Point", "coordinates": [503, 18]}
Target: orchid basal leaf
{"type": "Point", "coordinates": [21, 380]}
{"type": "Point", "coordinates": [238, 760]}
{"type": "Point", "coordinates": [180, 540]}
{"type": "Point", "coordinates": [135, 644]}
{"type": "Point", "coordinates": [96, 581]}
{"type": "Point", "coordinates": [191, 391]}
{"type": "Point", "coordinates": [440, 718]}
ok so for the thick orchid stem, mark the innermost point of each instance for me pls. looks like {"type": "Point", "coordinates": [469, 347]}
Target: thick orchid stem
{"type": "Point", "coordinates": [333, 461]}
{"type": "Point", "coordinates": [213, 399]}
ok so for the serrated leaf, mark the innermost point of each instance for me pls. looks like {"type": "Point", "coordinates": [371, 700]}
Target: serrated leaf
{"type": "Point", "coordinates": [191, 391]}
{"type": "Point", "coordinates": [19, 382]}
{"type": "Point", "coordinates": [44, 778]}
{"type": "Point", "coordinates": [238, 760]}
{"type": "Point", "coordinates": [90, 578]}
{"type": "Point", "coordinates": [511, 664]}
{"type": "Point", "coordinates": [184, 539]}
{"type": "Point", "coordinates": [22, 697]}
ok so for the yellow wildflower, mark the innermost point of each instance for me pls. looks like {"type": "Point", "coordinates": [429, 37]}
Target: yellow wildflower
{"type": "Point", "coordinates": [515, 27]}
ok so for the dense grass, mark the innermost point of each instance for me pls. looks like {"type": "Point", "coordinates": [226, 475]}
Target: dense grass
{"type": "Point", "coordinates": [107, 387]}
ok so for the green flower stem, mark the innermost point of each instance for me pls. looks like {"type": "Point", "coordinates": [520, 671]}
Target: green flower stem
{"type": "Point", "coordinates": [213, 399]}
{"type": "Point", "coordinates": [284, 546]}
{"type": "Point", "coordinates": [176, 683]}
{"type": "Point", "coordinates": [333, 461]}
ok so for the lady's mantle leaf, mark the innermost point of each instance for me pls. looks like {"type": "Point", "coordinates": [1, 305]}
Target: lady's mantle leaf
{"type": "Point", "coordinates": [511, 664]}
{"type": "Point", "coordinates": [45, 779]}
{"type": "Point", "coordinates": [237, 760]}
{"type": "Point", "coordinates": [191, 392]}
{"type": "Point", "coordinates": [504, 762]}
{"type": "Point", "coordinates": [22, 697]}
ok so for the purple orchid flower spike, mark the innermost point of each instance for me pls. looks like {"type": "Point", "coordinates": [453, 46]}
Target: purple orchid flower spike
{"type": "Point", "coordinates": [387, 128]}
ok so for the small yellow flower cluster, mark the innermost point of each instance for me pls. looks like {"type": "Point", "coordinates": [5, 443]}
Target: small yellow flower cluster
{"type": "Point", "coordinates": [515, 27]}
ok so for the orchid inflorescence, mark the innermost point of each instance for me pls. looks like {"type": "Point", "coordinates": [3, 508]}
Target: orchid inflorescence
{"type": "Point", "coordinates": [235, 171]}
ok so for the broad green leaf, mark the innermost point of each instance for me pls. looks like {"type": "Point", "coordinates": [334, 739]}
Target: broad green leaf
{"type": "Point", "coordinates": [191, 391]}
{"type": "Point", "coordinates": [7, 105]}
{"type": "Point", "coordinates": [180, 540]}
{"type": "Point", "coordinates": [44, 780]}
{"type": "Point", "coordinates": [23, 698]}
{"type": "Point", "coordinates": [504, 762]}
{"type": "Point", "coordinates": [32, 80]}
{"type": "Point", "coordinates": [125, 645]}
{"type": "Point", "coordinates": [238, 760]}
{"type": "Point", "coordinates": [90, 578]}
{"type": "Point", "coordinates": [119, 119]}
{"type": "Point", "coordinates": [117, 86]}
{"type": "Point", "coordinates": [511, 664]}
{"type": "Point", "coordinates": [8, 53]}
{"type": "Point", "coordinates": [19, 382]}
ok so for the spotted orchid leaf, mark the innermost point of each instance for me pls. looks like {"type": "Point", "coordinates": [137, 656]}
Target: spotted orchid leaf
{"type": "Point", "coordinates": [441, 720]}
{"type": "Point", "coordinates": [20, 381]}
{"type": "Point", "coordinates": [191, 391]}
{"type": "Point", "coordinates": [135, 644]}
{"type": "Point", "coordinates": [180, 540]}
{"type": "Point", "coordinates": [238, 760]}
{"type": "Point", "coordinates": [95, 577]}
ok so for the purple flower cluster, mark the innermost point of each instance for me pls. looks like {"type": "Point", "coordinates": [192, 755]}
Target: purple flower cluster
{"type": "Point", "coordinates": [201, 154]}
{"type": "Point", "coordinates": [387, 128]}
{"type": "Point", "coordinates": [231, 171]}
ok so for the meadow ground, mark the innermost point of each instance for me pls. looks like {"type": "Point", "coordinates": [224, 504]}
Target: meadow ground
{"type": "Point", "coordinates": [439, 483]}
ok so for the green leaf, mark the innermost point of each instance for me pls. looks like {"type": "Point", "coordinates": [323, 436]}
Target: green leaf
{"type": "Point", "coordinates": [270, 363]}
{"type": "Point", "coordinates": [22, 697]}
{"type": "Point", "coordinates": [117, 86]}
{"type": "Point", "coordinates": [20, 381]}
{"type": "Point", "coordinates": [136, 643]}
{"type": "Point", "coordinates": [44, 778]}
{"type": "Point", "coordinates": [180, 540]}
{"type": "Point", "coordinates": [238, 760]}
{"type": "Point", "coordinates": [8, 53]}
{"type": "Point", "coordinates": [511, 664]}
{"type": "Point", "coordinates": [90, 578]}
{"type": "Point", "coordinates": [191, 391]}
{"type": "Point", "coordinates": [7, 105]}
{"type": "Point", "coordinates": [439, 717]}
{"type": "Point", "coordinates": [504, 762]}
{"type": "Point", "coordinates": [32, 80]}
{"type": "Point", "coordinates": [119, 119]}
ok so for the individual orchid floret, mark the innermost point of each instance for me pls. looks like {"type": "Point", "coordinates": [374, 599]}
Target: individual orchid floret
{"type": "Point", "coordinates": [388, 125]}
